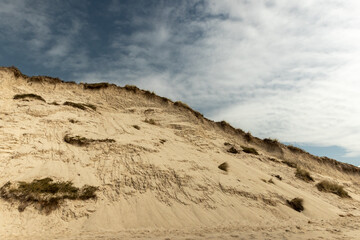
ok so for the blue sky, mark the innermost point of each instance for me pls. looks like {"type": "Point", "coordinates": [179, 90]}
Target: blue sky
{"type": "Point", "coordinates": [281, 69]}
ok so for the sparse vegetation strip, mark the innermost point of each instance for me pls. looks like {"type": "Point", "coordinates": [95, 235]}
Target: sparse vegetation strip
{"type": "Point", "coordinates": [82, 106]}
{"type": "Point", "coordinates": [82, 141]}
{"type": "Point", "coordinates": [46, 194]}
{"type": "Point", "coordinates": [28, 95]}
{"type": "Point", "coordinates": [330, 187]}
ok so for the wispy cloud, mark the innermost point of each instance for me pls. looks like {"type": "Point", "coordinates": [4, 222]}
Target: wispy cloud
{"type": "Point", "coordinates": [278, 68]}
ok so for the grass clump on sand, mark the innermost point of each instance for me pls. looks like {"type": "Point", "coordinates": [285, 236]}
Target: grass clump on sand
{"type": "Point", "coordinates": [96, 86]}
{"type": "Point", "coordinates": [27, 96]}
{"type": "Point", "coordinates": [296, 204]}
{"type": "Point", "coordinates": [45, 194]}
{"type": "Point", "coordinates": [233, 150]}
{"type": "Point", "coordinates": [81, 106]}
{"type": "Point", "coordinates": [83, 141]}
{"type": "Point", "coordinates": [303, 175]}
{"type": "Point", "coordinates": [150, 121]}
{"type": "Point", "coordinates": [249, 150]}
{"type": "Point", "coordinates": [290, 163]}
{"type": "Point", "coordinates": [224, 166]}
{"type": "Point", "coordinates": [327, 186]}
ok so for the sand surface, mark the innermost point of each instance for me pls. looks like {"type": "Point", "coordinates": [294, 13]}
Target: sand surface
{"type": "Point", "coordinates": [160, 181]}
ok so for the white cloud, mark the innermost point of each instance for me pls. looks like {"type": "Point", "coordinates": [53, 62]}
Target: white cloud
{"type": "Point", "coordinates": [280, 69]}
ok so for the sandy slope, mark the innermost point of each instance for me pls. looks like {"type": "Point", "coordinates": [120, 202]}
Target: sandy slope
{"type": "Point", "coordinates": [161, 181]}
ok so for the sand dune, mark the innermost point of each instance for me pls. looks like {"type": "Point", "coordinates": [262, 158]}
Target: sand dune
{"type": "Point", "coordinates": [155, 164]}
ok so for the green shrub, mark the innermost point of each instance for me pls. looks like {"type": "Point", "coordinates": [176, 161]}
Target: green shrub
{"type": "Point", "coordinates": [224, 166]}
{"type": "Point", "coordinates": [303, 175]}
{"type": "Point", "coordinates": [28, 95]}
{"type": "Point", "coordinates": [296, 204]}
{"type": "Point", "coordinates": [327, 186]}
{"type": "Point", "coordinates": [45, 193]}
{"type": "Point", "coordinates": [249, 150]}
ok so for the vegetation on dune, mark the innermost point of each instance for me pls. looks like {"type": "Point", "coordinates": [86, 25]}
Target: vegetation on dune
{"type": "Point", "coordinates": [82, 141]}
{"type": "Point", "coordinates": [81, 106]}
{"type": "Point", "coordinates": [224, 166]}
{"type": "Point", "coordinates": [96, 86]}
{"type": "Point", "coordinates": [296, 204]}
{"type": "Point", "coordinates": [295, 149]}
{"type": "Point", "coordinates": [290, 163]}
{"type": "Point", "coordinates": [28, 95]}
{"type": "Point", "coordinates": [327, 186]}
{"type": "Point", "coordinates": [233, 150]}
{"type": "Point", "coordinates": [303, 175]}
{"type": "Point", "coordinates": [150, 121]}
{"type": "Point", "coordinates": [249, 150]}
{"type": "Point", "coordinates": [45, 194]}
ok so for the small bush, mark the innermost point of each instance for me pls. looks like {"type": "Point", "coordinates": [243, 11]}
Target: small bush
{"type": "Point", "coordinates": [131, 88]}
{"type": "Point", "coordinates": [295, 149]}
{"type": "Point", "coordinates": [249, 150]}
{"type": "Point", "coordinates": [82, 141]}
{"type": "Point", "coordinates": [29, 95]}
{"type": "Point", "coordinates": [233, 150]}
{"type": "Point", "coordinates": [224, 166]}
{"type": "Point", "coordinates": [150, 121]}
{"type": "Point", "coordinates": [290, 164]}
{"type": "Point", "coordinates": [327, 186]}
{"type": "Point", "coordinates": [136, 127]}
{"type": "Point", "coordinates": [248, 137]}
{"type": "Point", "coordinates": [95, 86]}
{"type": "Point", "coordinates": [303, 175]}
{"type": "Point", "coordinates": [296, 204]}
{"type": "Point", "coordinates": [81, 106]}
{"type": "Point", "coordinates": [45, 193]}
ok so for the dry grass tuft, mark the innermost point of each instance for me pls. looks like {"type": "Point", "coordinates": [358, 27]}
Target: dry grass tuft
{"type": "Point", "coordinates": [27, 96]}
{"type": "Point", "coordinates": [290, 163]}
{"type": "Point", "coordinates": [150, 121]}
{"type": "Point", "coordinates": [249, 150]}
{"type": "Point", "coordinates": [327, 186]}
{"type": "Point", "coordinates": [295, 149]}
{"type": "Point", "coordinates": [81, 106]}
{"type": "Point", "coordinates": [303, 175]}
{"type": "Point", "coordinates": [96, 86]}
{"type": "Point", "coordinates": [233, 150]}
{"type": "Point", "coordinates": [82, 141]}
{"type": "Point", "coordinates": [296, 204]}
{"type": "Point", "coordinates": [46, 194]}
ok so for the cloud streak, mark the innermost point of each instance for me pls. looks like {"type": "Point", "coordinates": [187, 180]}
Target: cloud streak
{"type": "Point", "coordinates": [278, 68]}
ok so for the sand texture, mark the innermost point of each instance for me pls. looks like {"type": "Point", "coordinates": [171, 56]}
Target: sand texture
{"type": "Point", "coordinates": [155, 163]}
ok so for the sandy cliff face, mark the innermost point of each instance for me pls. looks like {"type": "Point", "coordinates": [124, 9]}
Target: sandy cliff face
{"type": "Point", "coordinates": [155, 164]}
